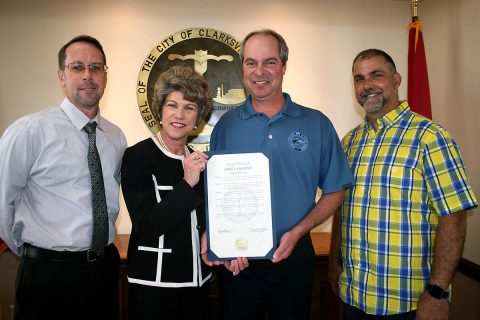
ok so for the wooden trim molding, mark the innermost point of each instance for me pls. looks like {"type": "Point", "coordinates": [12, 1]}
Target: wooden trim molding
{"type": "Point", "coordinates": [320, 240]}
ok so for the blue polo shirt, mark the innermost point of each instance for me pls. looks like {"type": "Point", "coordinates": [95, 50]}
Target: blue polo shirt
{"type": "Point", "coordinates": [305, 154]}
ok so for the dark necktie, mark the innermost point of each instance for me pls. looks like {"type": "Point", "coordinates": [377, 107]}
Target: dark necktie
{"type": "Point", "coordinates": [99, 203]}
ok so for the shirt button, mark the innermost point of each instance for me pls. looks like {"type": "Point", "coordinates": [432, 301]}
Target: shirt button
{"type": "Point", "coordinates": [359, 265]}
{"type": "Point", "coordinates": [198, 227]}
{"type": "Point", "coordinates": [270, 136]}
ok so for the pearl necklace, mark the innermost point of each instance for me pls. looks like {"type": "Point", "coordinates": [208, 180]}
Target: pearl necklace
{"type": "Point", "coordinates": [164, 145]}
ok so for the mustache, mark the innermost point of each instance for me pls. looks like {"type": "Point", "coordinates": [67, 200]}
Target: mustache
{"type": "Point", "coordinates": [88, 83]}
{"type": "Point", "coordinates": [88, 86]}
{"type": "Point", "coordinates": [368, 92]}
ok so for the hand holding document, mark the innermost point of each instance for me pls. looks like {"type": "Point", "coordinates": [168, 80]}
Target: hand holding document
{"type": "Point", "coordinates": [239, 206]}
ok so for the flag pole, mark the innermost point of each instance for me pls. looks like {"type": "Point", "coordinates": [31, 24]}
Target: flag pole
{"type": "Point", "coordinates": [414, 7]}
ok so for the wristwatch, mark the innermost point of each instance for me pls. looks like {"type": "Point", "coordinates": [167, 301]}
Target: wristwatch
{"type": "Point", "coordinates": [436, 292]}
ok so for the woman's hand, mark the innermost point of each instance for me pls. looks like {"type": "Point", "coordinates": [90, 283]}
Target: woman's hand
{"type": "Point", "coordinates": [203, 252]}
{"type": "Point", "coordinates": [193, 164]}
{"type": "Point", "coordinates": [236, 266]}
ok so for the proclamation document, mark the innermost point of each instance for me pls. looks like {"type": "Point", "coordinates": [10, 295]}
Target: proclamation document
{"type": "Point", "coordinates": [239, 206]}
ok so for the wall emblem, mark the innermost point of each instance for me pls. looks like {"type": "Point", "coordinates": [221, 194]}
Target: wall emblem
{"type": "Point", "coordinates": [212, 53]}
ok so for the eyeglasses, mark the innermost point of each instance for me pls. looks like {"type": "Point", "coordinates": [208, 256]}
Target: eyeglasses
{"type": "Point", "coordinates": [78, 67]}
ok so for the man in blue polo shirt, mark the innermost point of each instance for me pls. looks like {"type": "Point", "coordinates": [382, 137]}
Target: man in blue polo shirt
{"type": "Point", "coordinates": [306, 154]}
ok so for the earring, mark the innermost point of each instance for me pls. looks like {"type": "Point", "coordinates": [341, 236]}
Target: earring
{"type": "Point", "coordinates": [160, 122]}
{"type": "Point", "coordinates": [195, 128]}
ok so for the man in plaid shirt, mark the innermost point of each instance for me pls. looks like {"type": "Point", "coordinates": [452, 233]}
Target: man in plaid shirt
{"type": "Point", "coordinates": [399, 235]}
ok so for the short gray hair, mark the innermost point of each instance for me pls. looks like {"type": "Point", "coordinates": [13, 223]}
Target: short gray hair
{"type": "Point", "coordinates": [282, 44]}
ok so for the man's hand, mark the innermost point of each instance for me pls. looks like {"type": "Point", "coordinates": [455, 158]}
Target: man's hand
{"type": "Point", "coordinates": [429, 308]}
{"type": "Point", "coordinates": [284, 250]}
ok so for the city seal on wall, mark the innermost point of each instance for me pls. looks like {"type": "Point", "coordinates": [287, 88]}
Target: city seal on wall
{"type": "Point", "coordinates": [212, 53]}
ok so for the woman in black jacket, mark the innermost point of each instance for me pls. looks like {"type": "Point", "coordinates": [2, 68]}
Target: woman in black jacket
{"type": "Point", "coordinates": [163, 190]}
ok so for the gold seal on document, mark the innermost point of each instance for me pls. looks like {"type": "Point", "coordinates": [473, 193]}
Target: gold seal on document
{"type": "Point", "coordinates": [212, 53]}
{"type": "Point", "coordinates": [241, 244]}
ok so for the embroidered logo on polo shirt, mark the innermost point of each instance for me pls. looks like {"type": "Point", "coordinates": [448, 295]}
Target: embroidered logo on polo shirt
{"type": "Point", "coordinates": [298, 141]}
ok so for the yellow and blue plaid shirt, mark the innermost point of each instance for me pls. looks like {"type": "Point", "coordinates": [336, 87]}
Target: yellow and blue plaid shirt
{"type": "Point", "coordinates": [407, 173]}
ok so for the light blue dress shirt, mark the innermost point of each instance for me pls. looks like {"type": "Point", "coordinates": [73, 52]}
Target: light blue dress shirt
{"type": "Point", "coordinates": [45, 193]}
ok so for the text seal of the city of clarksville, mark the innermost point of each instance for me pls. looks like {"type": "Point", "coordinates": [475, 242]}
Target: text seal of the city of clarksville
{"type": "Point", "coordinates": [212, 53]}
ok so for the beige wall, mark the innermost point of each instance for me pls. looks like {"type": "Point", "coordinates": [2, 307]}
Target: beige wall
{"type": "Point", "coordinates": [453, 50]}
{"type": "Point", "coordinates": [323, 36]}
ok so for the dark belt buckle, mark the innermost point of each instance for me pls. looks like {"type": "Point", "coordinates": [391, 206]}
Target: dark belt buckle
{"type": "Point", "coordinates": [92, 256]}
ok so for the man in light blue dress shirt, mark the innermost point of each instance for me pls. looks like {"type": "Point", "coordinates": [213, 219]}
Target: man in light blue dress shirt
{"type": "Point", "coordinates": [45, 196]}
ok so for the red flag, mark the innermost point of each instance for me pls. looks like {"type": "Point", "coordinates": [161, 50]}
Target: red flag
{"type": "Point", "coordinates": [418, 89]}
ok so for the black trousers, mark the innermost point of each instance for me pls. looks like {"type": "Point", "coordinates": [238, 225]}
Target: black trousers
{"type": "Point", "coordinates": [146, 302]}
{"type": "Point", "coordinates": [283, 290]}
{"type": "Point", "coordinates": [68, 289]}
{"type": "Point", "coordinates": [353, 313]}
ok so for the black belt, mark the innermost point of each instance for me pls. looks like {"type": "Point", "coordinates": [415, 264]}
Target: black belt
{"type": "Point", "coordinates": [57, 256]}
